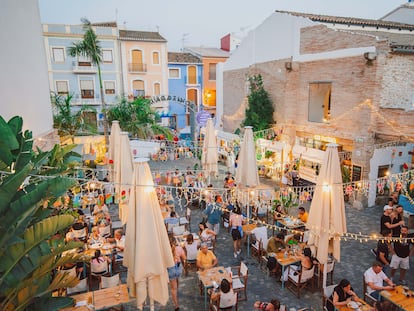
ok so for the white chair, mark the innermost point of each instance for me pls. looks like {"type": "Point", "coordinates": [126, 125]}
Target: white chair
{"type": "Point", "coordinates": [327, 292]}
{"type": "Point", "coordinates": [240, 281]}
{"type": "Point", "coordinates": [367, 297]}
{"type": "Point", "coordinates": [178, 230]}
{"type": "Point", "coordinates": [110, 281]}
{"type": "Point", "coordinates": [80, 288]}
{"type": "Point", "coordinates": [261, 241]}
{"type": "Point", "coordinates": [330, 266]}
{"type": "Point", "coordinates": [80, 234]}
{"type": "Point", "coordinates": [297, 280]}
{"type": "Point", "coordinates": [105, 232]}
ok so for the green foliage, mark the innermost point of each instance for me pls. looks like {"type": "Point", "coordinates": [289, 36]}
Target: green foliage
{"type": "Point", "coordinates": [287, 201]}
{"type": "Point", "coordinates": [269, 154]}
{"type": "Point", "coordinates": [67, 122]}
{"type": "Point", "coordinates": [346, 174]}
{"type": "Point", "coordinates": [138, 118]}
{"type": "Point", "coordinates": [259, 113]}
{"type": "Point", "coordinates": [30, 249]}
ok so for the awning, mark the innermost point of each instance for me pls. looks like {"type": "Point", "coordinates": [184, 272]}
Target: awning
{"type": "Point", "coordinates": [310, 154]}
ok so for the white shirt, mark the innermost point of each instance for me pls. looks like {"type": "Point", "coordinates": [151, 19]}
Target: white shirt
{"type": "Point", "coordinates": [120, 243]}
{"type": "Point", "coordinates": [375, 278]}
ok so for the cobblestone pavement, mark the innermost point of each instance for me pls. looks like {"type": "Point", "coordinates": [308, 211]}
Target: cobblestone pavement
{"type": "Point", "coordinates": [355, 259]}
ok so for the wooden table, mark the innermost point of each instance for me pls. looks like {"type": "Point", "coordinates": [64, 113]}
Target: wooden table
{"type": "Point", "coordinates": [397, 298]}
{"type": "Point", "coordinates": [101, 299]}
{"type": "Point", "coordinates": [284, 262]}
{"type": "Point", "coordinates": [106, 249]}
{"type": "Point", "coordinates": [290, 224]}
{"type": "Point", "coordinates": [363, 307]}
{"type": "Point", "coordinates": [247, 229]}
{"type": "Point", "coordinates": [206, 277]}
{"type": "Point", "coordinates": [181, 239]}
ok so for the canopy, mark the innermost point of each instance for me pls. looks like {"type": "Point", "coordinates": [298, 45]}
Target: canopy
{"type": "Point", "coordinates": [147, 248]}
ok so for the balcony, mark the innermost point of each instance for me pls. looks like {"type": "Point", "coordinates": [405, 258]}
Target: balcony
{"type": "Point", "coordinates": [84, 67]}
{"type": "Point", "coordinates": [137, 68]}
{"type": "Point", "coordinates": [78, 100]}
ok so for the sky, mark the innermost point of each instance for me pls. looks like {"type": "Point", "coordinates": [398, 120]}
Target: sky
{"type": "Point", "coordinates": [201, 23]}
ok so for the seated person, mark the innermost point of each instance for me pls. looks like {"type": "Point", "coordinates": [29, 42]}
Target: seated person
{"type": "Point", "coordinates": [206, 258]}
{"type": "Point", "coordinates": [375, 278]}
{"type": "Point", "coordinates": [342, 295]}
{"type": "Point", "coordinates": [191, 247]}
{"type": "Point", "coordinates": [119, 239]}
{"type": "Point", "coordinates": [227, 296]}
{"type": "Point", "coordinates": [171, 221]}
{"type": "Point", "coordinates": [303, 214]}
{"type": "Point", "coordinates": [100, 207]}
{"type": "Point", "coordinates": [294, 240]}
{"type": "Point", "coordinates": [306, 263]}
{"type": "Point", "coordinates": [207, 235]}
{"type": "Point", "coordinates": [273, 305]}
{"type": "Point", "coordinates": [95, 238]}
{"type": "Point", "coordinates": [276, 243]}
{"type": "Point", "coordinates": [99, 263]}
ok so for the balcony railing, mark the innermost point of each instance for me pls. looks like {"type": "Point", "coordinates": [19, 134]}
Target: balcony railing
{"type": "Point", "coordinates": [84, 68]}
{"type": "Point", "coordinates": [137, 67]}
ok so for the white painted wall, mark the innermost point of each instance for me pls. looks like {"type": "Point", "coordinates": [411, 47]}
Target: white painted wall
{"type": "Point", "coordinates": [219, 96]}
{"type": "Point", "coordinates": [276, 38]}
{"type": "Point", "coordinates": [24, 84]}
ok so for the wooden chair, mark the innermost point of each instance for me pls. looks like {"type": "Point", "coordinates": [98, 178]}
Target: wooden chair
{"type": "Point", "coordinates": [327, 292]}
{"type": "Point", "coordinates": [298, 280]}
{"type": "Point", "coordinates": [105, 232]}
{"type": "Point", "coordinates": [240, 281]}
{"type": "Point", "coordinates": [330, 266]}
{"type": "Point", "coordinates": [367, 297]}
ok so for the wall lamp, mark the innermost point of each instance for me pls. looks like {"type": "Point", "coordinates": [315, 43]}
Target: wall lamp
{"type": "Point", "coordinates": [370, 56]}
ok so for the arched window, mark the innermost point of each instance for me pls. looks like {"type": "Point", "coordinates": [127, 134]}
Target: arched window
{"type": "Point", "coordinates": [138, 88]}
{"type": "Point", "coordinates": [157, 88]}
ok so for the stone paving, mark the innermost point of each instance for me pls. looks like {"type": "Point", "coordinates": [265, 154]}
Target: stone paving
{"type": "Point", "coordinates": [355, 259]}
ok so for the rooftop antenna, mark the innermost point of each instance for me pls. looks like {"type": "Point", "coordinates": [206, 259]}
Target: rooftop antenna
{"type": "Point", "coordinates": [183, 39]}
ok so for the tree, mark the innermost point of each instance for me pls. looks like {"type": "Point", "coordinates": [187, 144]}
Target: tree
{"type": "Point", "coordinates": [90, 47]}
{"type": "Point", "coordinates": [30, 248]}
{"type": "Point", "coordinates": [259, 112]}
{"type": "Point", "coordinates": [138, 118]}
{"type": "Point", "coordinates": [67, 122]}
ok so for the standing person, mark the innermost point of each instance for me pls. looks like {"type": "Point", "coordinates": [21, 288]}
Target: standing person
{"type": "Point", "coordinates": [375, 278]}
{"type": "Point", "coordinates": [236, 221]}
{"type": "Point", "coordinates": [342, 295]}
{"type": "Point", "coordinates": [213, 213]}
{"type": "Point", "coordinates": [401, 255]}
{"type": "Point", "coordinates": [397, 217]}
{"type": "Point", "coordinates": [383, 250]}
{"type": "Point", "coordinates": [207, 235]}
{"type": "Point", "coordinates": [386, 218]}
{"type": "Point", "coordinates": [175, 271]}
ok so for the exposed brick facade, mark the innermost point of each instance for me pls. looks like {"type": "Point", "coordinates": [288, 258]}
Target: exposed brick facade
{"type": "Point", "coordinates": [361, 90]}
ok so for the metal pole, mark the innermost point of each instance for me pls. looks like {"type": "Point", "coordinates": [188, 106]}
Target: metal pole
{"type": "Point", "coordinates": [192, 121]}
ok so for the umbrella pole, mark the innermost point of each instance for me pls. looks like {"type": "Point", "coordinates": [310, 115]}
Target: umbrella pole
{"type": "Point", "coordinates": [152, 304]}
{"type": "Point", "coordinates": [325, 269]}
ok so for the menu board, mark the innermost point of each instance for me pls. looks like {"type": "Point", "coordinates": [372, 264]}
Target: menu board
{"type": "Point", "coordinates": [356, 172]}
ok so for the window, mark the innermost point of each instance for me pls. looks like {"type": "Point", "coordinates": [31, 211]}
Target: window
{"type": "Point", "coordinates": [192, 74]}
{"type": "Point", "coordinates": [212, 72]}
{"type": "Point", "coordinates": [109, 87]}
{"type": "Point", "coordinates": [157, 88]}
{"type": "Point", "coordinates": [138, 88]}
{"type": "Point", "coordinates": [174, 73]}
{"type": "Point", "coordinates": [107, 56]}
{"type": "Point", "coordinates": [87, 89]}
{"type": "Point", "coordinates": [319, 109]}
{"type": "Point", "coordinates": [58, 55]}
{"type": "Point", "coordinates": [155, 58]}
{"type": "Point", "coordinates": [84, 61]}
{"type": "Point", "coordinates": [62, 88]}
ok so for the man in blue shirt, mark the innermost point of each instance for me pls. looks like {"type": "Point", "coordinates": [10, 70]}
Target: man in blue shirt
{"type": "Point", "coordinates": [213, 213]}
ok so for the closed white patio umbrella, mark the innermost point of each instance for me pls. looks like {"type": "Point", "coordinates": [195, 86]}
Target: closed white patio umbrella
{"type": "Point", "coordinates": [209, 156]}
{"type": "Point", "coordinates": [247, 176]}
{"type": "Point", "coordinates": [123, 175]}
{"type": "Point", "coordinates": [114, 144]}
{"type": "Point", "coordinates": [147, 248]}
{"type": "Point", "coordinates": [327, 221]}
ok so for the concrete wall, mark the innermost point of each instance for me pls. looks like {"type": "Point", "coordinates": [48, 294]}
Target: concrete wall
{"type": "Point", "coordinates": [24, 83]}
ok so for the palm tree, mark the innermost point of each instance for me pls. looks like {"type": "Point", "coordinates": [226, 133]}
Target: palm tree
{"type": "Point", "coordinates": [138, 118]}
{"type": "Point", "coordinates": [30, 247]}
{"type": "Point", "coordinates": [90, 47]}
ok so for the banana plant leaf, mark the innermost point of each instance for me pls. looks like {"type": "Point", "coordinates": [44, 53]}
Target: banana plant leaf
{"type": "Point", "coordinates": [8, 142]}
{"type": "Point", "coordinates": [25, 153]}
{"type": "Point", "coordinates": [21, 259]}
